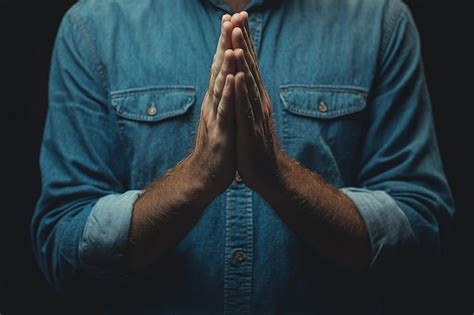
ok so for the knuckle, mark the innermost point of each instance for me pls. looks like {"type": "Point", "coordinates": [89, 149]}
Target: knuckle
{"type": "Point", "coordinates": [214, 69]}
{"type": "Point", "coordinates": [226, 94]}
{"type": "Point", "coordinates": [221, 113]}
{"type": "Point", "coordinates": [208, 98]}
{"type": "Point", "coordinates": [217, 93]}
{"type": "Point", "coordinates": [266, 111]}
{"type": "Point", "coordinates": [224, 68]}
{"type": "Point", "coordinates": [255, 95]}
{"type": "Point", "coordinates": [253, 67]}
{"type": "Point", "coordinates": [204, 103]}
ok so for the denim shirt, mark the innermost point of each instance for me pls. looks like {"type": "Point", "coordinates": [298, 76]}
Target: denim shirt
{"type": "Point", "coordinates": [349, 102]}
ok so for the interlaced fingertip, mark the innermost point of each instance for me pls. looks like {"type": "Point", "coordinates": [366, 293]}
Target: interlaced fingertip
{"type": "Point", "coordinates": [243, 17]}
{"type": "Point", "coordinates": [241, 86]}
{"type": "Point", "coordinates": [236, 18]}
{"type": "Point", "coordinates": [226, 17]}
{"type": "Point", "coordinates": [239, 54]}
{"type": "Point", "coordinates": [227, 25]}
{"type": "Point", "coordinates": [238, 30]}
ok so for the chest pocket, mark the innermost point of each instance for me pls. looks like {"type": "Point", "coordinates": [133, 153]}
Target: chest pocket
{"type": "Point", "coordinates": [322, 128]}
{"type": "Point", "coordinates": [157, 128]}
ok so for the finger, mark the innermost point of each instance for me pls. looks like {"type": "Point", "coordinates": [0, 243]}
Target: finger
{"type": "Point", "coordinates": [225, 110]}
{"type": "Point", "coordinates": [228, 67]}
{"type": "Point", "coordinates": [252, 56]}
{"type": "Point", "coordinates": [247, 34]}
{"type": "Point", "coordinates": [239, 42]}
{"type": "Point", "coordinates": [250, 45]}
{"type": "Point", "coordinates": [224, 43]}
{"type": "Point", "coordinates": [240, 20]}
{"type": "Point", "coordinates": [226, 17]}
{"type": "Point", "coordinates": [243, 109]}
{"type": "Point", "coordinates": [251, 86]}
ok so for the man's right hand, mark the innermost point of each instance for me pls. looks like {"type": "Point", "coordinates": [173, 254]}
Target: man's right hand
{"type": "Point", "coordinates": [214, 151]}
{"type": "Point", "coordinates": [173, 204]}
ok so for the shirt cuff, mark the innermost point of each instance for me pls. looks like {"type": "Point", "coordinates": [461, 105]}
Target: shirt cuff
{"type": "Point", "coordinates": [388, 227]}
{"type": "Point", "coordinates": [102, 250]}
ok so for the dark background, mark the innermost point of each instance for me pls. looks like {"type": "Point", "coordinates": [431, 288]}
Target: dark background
{"type": "Point", "coordinates": [27, 32]}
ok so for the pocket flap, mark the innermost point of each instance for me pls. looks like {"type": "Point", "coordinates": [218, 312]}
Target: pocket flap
{"type": "Point", "coordinates": [322, 101]}
{"type": "Point", "coordinates": [153, 104]}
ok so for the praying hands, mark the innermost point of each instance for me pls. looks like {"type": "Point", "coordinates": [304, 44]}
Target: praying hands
{"type": "Point", "coordinates": [236, 134]}
{"type": "Point", "coordinates": [236, 130]}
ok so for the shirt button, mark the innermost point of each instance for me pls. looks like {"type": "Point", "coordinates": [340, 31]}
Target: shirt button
{"type": "Point", "coordinates": [239, 256]}
{"type": "Point", "coordinates": [151, 110]}
{"type": "Point", "coordinates": [237, 177]}
{"type": "Point", "coordinates": [322, 107]}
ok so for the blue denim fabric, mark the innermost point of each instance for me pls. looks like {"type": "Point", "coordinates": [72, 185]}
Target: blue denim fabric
{"type": "Point", "coordinates": [349, 102]}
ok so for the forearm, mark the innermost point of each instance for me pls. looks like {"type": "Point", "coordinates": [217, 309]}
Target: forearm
{"type": "Point", "coordinates": [167, 210]}
{"type": "Point", "coordinates": [172, 205]}
{"type": "Point", "coordinates": [320, 214]}
{"type": "Point", "coordinates": [323, 216]}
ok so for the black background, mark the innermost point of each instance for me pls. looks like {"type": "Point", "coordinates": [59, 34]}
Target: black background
{"type": "Point", "coordinates": [27, 32]}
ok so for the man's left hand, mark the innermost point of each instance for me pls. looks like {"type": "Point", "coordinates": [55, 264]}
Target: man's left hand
{"type": "Point", "coordinates": [257, 146]}
{"type": "Point", "coordinates": [320, 214]}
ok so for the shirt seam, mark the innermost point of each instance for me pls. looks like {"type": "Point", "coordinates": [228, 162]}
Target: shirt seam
{"type": "Point", "coordinates": [77, 21]}
{"type": "Point", "coordinates": [390, 29]}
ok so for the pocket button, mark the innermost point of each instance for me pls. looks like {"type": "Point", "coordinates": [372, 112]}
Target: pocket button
{"type": "Point", "coordinates": [151, 110]}
{"type": "Point", "coordinates": [322, 107]}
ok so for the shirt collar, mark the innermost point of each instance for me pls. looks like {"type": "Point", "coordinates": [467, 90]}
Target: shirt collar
{"type": "Point", "coordinates": [250, 5]}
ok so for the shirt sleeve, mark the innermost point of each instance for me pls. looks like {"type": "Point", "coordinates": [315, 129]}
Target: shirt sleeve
{"type": "Point", "coordinates": [81, 221]}
{"type": "Point", "coordinates": [402, 193]}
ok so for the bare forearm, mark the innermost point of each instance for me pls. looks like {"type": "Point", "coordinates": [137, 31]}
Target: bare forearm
{"type": "Point", "coordinates": [323, 216]}
{"type": "Point", "coordinates": [166, 211]}
{"type": "Point", "coordinates": [320, 214]}
{"type": "Point", "coordinates": [172, 205]}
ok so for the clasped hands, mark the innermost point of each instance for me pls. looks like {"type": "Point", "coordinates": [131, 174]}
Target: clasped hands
{"type": "Point", "coordinates": [236, 131]}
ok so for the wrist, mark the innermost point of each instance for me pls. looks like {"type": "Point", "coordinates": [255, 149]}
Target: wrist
{"type": "Point", "coordinates": [206, 177]}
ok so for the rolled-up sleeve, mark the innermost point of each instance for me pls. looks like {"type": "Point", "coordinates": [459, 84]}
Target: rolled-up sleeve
{"type": "Point", "coordinates": [402, 193]}
{"type": "Point", "coordinates": [81, 222]}
{"type": "Point", "coordinates": [386, 223]}
{"type": "Point", "coordinates": [103, 245]}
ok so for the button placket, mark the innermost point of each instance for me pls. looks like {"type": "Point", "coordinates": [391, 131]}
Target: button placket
{"type": "Point", "coordinates": [239, 256]}
{"type": "Point", "coordinates": [239, 239]}
{"type": "Point", "coordinates": [238, 251]}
